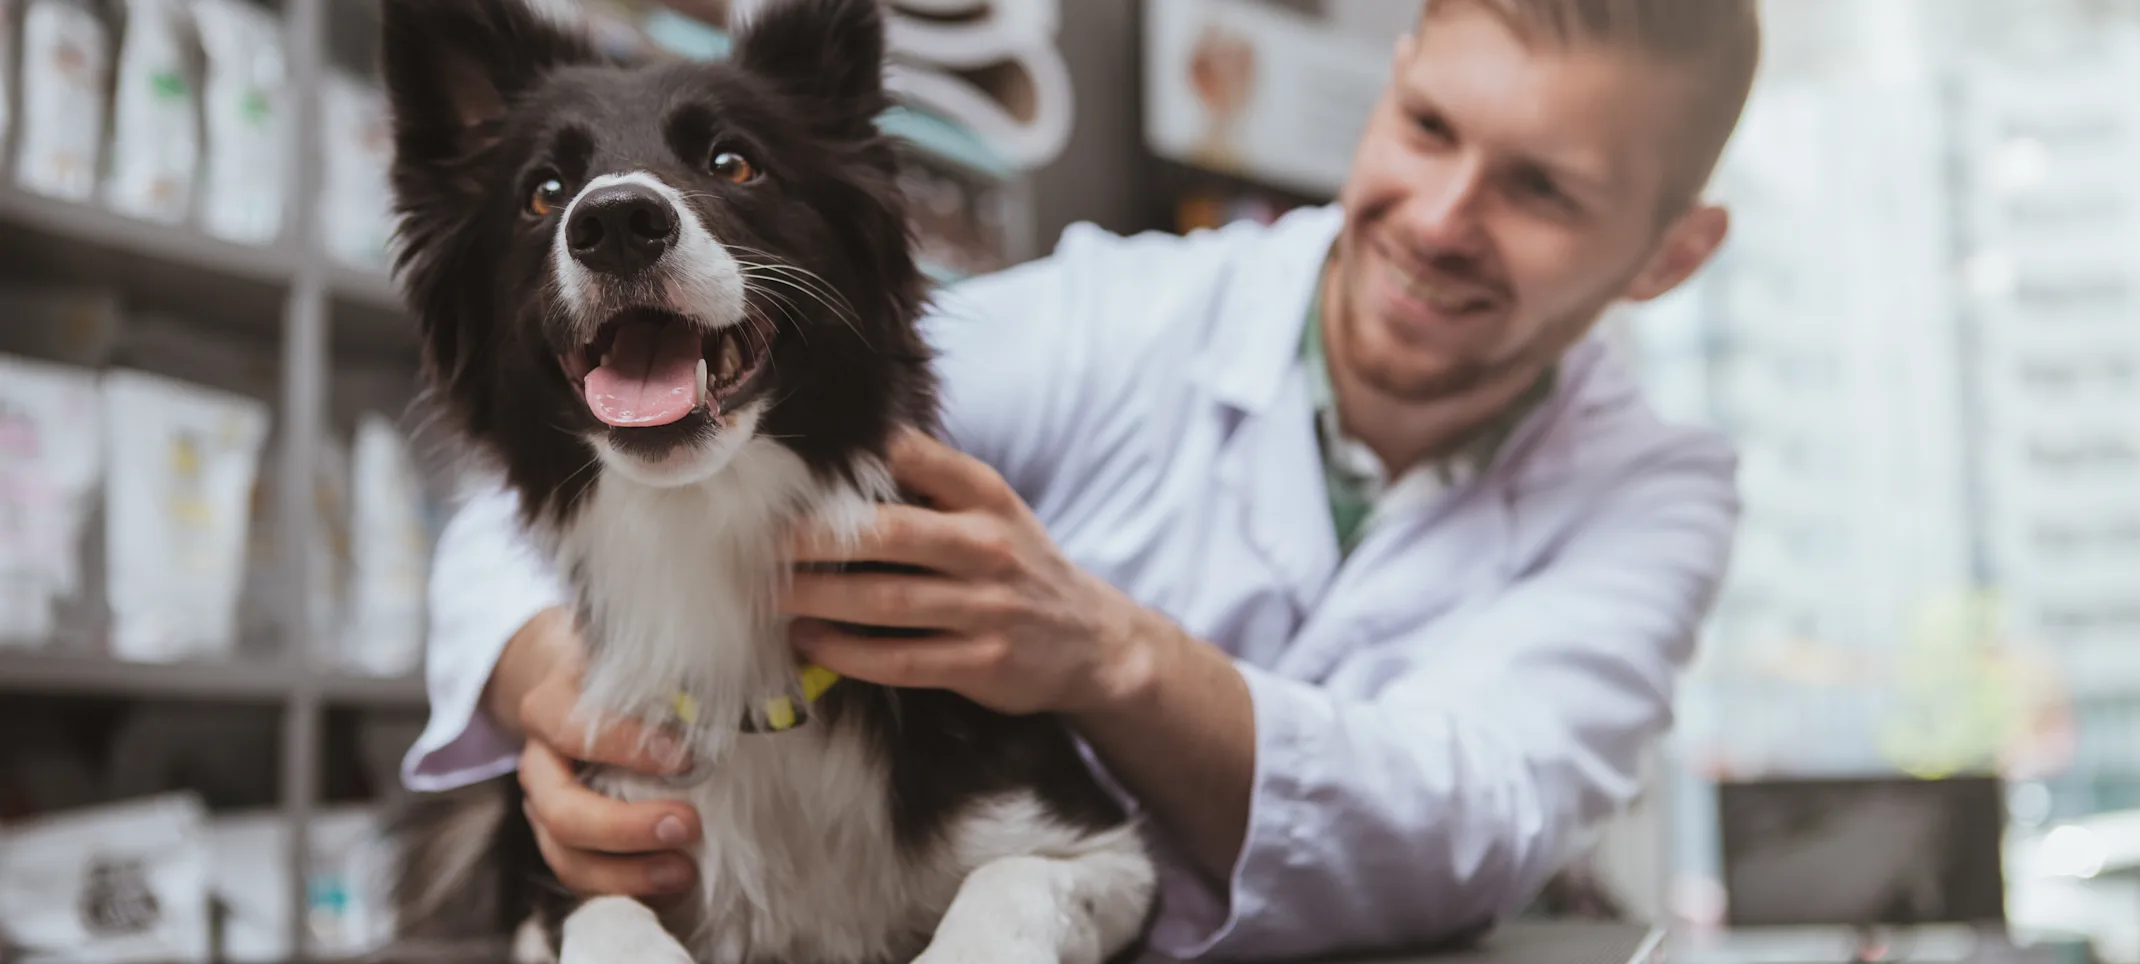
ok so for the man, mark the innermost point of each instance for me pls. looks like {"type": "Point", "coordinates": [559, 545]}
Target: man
{"type": "Point", "coordinates": [1344, 544]}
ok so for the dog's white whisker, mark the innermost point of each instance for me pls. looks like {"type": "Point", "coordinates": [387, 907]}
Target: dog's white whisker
{"type": "Point", "coordinates": [787, 308]}
{"type": "Point", "coordinates": [842, 312]}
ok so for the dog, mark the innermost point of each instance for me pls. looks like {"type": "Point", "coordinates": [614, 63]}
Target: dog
{"type": "Point", "coordinates": [675, 307]}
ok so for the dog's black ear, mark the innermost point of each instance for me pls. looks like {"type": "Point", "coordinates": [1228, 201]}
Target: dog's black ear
{"type": "Point", "coordinates": [827, 51]}
{"type": "Point", "coordinates": [453, 66]}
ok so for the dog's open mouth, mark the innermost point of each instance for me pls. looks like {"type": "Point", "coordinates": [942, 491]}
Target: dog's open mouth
{"type": "Point", "coordinates": [646, 368]}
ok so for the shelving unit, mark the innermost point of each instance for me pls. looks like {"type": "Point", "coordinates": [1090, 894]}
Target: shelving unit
{"type": "Point", "coordinates": [296, 294]}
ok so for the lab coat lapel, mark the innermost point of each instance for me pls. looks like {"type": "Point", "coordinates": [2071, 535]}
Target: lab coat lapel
{"type": "Point", "coordinates": [1270, 469]}
{"type": "Point", "coordinates": [1271, 480]}
{"type": "Point", "coordinates": [1458, 551]}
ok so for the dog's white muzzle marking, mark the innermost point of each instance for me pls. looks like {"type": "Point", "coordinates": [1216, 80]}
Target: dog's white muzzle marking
{"type": "Point", "coordinates": [697, 277]}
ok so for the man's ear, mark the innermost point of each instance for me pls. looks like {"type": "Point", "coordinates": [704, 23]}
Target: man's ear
{"type": "Point", "coordinates": [1688, 244]}
{"type": "Point", "coordinates": [830, 52]}
{"type": "Point", "coordinates": [453, 66]}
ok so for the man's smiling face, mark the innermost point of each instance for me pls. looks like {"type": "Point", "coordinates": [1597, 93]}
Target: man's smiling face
{"type": "Point", "coordinates": [1504, 193]}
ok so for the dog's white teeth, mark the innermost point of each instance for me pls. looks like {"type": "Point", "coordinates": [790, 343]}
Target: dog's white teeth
{"type": "Point", "coordinates": [605, 359]}
{"type": "Point", "coordinates": [731, 357]}
{"type": "Point", "coordinates": [702, 387]}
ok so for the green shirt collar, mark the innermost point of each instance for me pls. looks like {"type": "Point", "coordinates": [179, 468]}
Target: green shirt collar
{"type": "Point", "coordinates": [1356, 478]}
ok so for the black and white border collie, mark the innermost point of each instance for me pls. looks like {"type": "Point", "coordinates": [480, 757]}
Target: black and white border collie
{"type": "Point", "coordinates": [675, 306]}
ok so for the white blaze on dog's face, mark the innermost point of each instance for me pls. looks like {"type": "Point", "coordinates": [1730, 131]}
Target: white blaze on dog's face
{"type": "Point", "coordinates": [664, 326]}
{"type": "Point", "coordinates": [641, 270]}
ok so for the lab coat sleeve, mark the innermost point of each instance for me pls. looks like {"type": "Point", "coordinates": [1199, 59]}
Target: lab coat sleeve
{"type": "Point", "coordinates": [487, 581]}
{"type": "Point", "coordinates": [1447, 799]}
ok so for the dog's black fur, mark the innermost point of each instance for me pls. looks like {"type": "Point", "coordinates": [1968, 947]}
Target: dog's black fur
{"type": "Point", "coordinates": [487, 100]}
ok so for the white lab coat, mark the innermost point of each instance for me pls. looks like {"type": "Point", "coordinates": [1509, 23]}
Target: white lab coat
{"type": "Point", "coordinates": [1437, 719]}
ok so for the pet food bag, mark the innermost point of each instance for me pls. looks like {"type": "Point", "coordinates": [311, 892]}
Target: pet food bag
{"type": "Point", "coordinates": [348, 911]}
{"type": "Point", "coordinates": [120, 883]}
{"type": "Point", "coordinates": [250, 877]}
{"type": "Point", "coordinates": [155, 145]}
{"type": "Point", "coordinates": [390, 551]}
{"type": "Point", "coordinates": [268, 584]}
{"type": "Point", "coordinates": [66, 57]}
{"type": "Point", "coordinates": [48, 475]}
{"type": "Point", "coordinates": [246, 161]}
{"type": "Point", "coordinates": [183, 461]}
{"type": "Point", "coordinates": [358, 215]}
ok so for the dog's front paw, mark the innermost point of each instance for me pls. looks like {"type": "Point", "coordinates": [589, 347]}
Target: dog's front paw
{"type": "Point", "coordinates": [609, 930]}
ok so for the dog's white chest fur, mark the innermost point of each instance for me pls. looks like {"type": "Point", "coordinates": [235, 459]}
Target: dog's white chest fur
{"type": "Point", "coordinates": [798, 856]}
{"type": "Point", "coordinates": [677, 584]}
{"type": "Point", "coordinates": [798, 860]}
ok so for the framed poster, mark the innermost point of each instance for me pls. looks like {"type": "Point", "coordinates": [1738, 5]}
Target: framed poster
{"type": "Point", "coordinates": [1273, 91]}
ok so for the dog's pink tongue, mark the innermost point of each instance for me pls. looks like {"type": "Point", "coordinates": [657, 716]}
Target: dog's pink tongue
{"type": "Point", "coordinates": [651, 378]}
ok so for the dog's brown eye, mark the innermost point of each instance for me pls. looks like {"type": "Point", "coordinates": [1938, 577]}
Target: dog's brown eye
{"type": "Point", "coordinates": [549, 196]}
{"type": "Point", "coordinates": [734, 167]}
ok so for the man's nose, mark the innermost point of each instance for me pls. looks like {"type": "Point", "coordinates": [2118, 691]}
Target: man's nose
{"type": "Point", "coordinates": [1444, 214]}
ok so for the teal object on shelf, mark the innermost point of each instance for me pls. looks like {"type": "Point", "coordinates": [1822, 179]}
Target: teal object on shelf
{"type": "Point", "coordinates": [940, 138]}
{"type": "Point", "coordinates": [946, 140]}
{"type": "Point", "coordinates": [685, 37]}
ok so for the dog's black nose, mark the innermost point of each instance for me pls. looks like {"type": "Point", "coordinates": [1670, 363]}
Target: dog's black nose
{"type": "Point", "coordinates": [621, 229]}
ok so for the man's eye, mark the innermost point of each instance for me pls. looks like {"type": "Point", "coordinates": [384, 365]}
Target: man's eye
{"type": "Point", "coordinates": [1536, 185]}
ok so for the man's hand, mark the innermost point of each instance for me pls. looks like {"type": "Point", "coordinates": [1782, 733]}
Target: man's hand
{"type": "Point", "coordinates": [1022, 630]}
{"type": "Point", "coordinates": [1019, 628]}
{"type": "Point", "coordinates": [594, 844]}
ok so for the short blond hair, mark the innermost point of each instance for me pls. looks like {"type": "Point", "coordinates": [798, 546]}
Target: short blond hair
{"type": "Point", "coordinates": [1719, 40]}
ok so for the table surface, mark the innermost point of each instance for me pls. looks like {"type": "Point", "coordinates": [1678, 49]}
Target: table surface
{"type": "Point", "coordinates": [1549, 942]}
{"type": "Point", "coordinates": [1529, 942]}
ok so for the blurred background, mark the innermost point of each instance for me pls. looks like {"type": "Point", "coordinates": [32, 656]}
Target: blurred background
{"type": "Point", "coordinates": [1924, 336]}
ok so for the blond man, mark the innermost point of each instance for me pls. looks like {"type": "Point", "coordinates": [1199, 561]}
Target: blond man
{"type": "Point", "coordinates": [1345, 544]}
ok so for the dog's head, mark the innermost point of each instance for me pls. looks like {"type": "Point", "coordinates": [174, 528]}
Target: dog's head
{"type": "Point", "coordinates": [650, 265]}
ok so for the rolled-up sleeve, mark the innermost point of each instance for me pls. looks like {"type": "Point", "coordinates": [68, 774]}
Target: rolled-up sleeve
{"type": "Point", "coordinates": [1444, 799]}
{"type": "Point", "coordinates": [487, 581]}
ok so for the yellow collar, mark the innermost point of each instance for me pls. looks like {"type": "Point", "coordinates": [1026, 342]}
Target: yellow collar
{"type": "Point", "coordinates": [781, 712]}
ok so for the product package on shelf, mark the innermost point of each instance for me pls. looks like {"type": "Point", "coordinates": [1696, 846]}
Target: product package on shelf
{"type": "Point", "coordinates": [358, 215]}
{"type": "Point", "coordinates": [242, 105]}
{"type": "Point", "coordinates": [66, 58]}
{"type": "Point", "coordinates": [49, 463]}
{"type": "Point", "coordinates": [120, 883]}
{"type": "Point", "coordinates": [347, 913]}
{"type": "Point", "coordinates": [182, 464]}
{"type": "Point", "coordinates": [155, 144]}
{"type": "Point", "coordinates": [268, 581]}
{"type": "Point", "coordinates": [390, 554]}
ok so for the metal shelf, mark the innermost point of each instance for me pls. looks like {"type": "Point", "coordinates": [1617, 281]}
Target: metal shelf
{"type": "Point", "coordinates": [175, 245]}
{"type": "Point", "coordinates": [263, 681]}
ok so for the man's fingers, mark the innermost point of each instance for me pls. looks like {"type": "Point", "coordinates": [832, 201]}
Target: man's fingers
{"type": "Point", "coordinates": [592, 874]}
{"type": "Point", "coordinates": [551, 715]}
{"type": "Point", "coordinates": [950, 479]}
{"type": "Point", "coordinates": [899, 534]}
{"type": "Point", "coordinates": [582, 819]}
{"type": "Point", "coordinates": [890, 599]}
{"type": "Point", "coordinates": [940, 663]}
